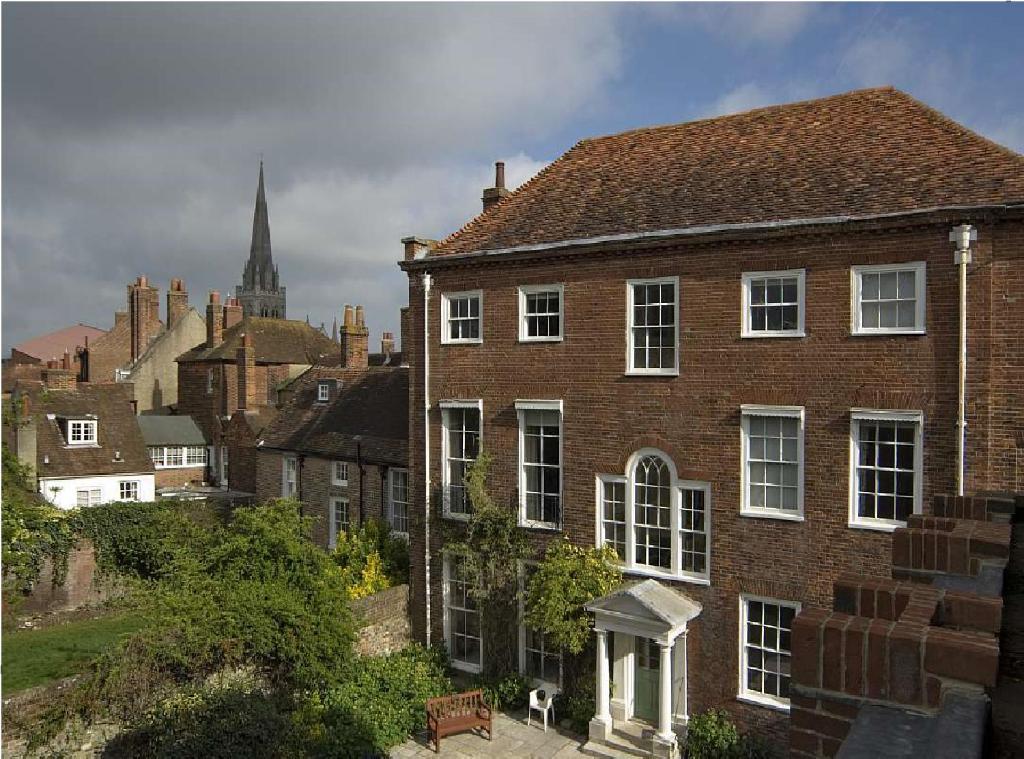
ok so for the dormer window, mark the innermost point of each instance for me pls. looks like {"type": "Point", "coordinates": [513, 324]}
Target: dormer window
{"type": "Point", "coordinates": [323, 391]}
{"type": "Point", "coordinates": [81, 432]}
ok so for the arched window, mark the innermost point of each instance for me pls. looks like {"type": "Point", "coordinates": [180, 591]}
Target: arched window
{"type": "Point", "coordinates": [656, 523]}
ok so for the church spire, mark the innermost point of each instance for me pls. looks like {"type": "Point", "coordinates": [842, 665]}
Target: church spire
{"type": "Point", "coordinates": [259, 251]}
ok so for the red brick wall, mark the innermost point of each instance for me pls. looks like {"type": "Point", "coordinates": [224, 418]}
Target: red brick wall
{"type": "Point", "coordinates": [695, 418]}
{"type": "Point", "coordinates": [176, 478]}
{"type": "Point", "coordinates": [316, 489]}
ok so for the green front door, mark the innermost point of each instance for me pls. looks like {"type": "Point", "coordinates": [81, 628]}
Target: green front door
{"type": "Point", "coordinates": [646, 681]}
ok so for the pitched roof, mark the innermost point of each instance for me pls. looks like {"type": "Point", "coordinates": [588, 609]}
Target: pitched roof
{"type": "Point", "coordinates": [371, 404]}
{"type": "Point", "coordinates": [117, 430]}
{"type": "Point", "coordinates": [170, 430]}
{"type": "Point", "coordinates": [275, 341]}
{"type": "Point", "coordinates": [861, 153]}
{"type": "Point", "coordinates": [53, 344]}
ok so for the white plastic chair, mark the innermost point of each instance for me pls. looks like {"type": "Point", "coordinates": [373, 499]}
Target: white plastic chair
{"type": "Point", "coordinates": [545, 705]}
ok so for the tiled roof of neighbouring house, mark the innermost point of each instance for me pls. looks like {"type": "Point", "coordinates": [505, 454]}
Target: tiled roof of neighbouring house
{"type": "Point", "coordinates": [117, 430]}
{"type": "Point", "coordinates": [861, 153]}
{"type": "Point", "coordinates": [53, 344]}
{"type": "Point", "coordinates": [275, 341]}
{"type": "Point", "coordinates": [170, 430]}
{"type": "Point", "coordinates": [371, 404]}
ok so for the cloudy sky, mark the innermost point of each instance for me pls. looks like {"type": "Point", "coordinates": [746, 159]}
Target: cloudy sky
{"type": "Point", "coordinates": [132, 133]}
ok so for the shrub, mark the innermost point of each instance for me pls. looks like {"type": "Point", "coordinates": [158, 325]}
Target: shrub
{"type": "Point", "coordinates": [371, 558]}
{"type": "Point", "coordinates": [712, 735]}
{"type": "Point", "coordinates": [510, 691]}
{"type": "Point", "coordinates": [379, 704]}
{"type": "Point", "coordinates": [579, 707]}
{"type": "Point", "coordinates": [211, 723]}
{"type": "Point", "coordinates": [568, 578]}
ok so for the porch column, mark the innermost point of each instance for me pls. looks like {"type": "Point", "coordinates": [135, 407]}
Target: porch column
{"type": "Point", "coordinates": [601, 724]}
{"type": "Point", "coordinates": [603, 686]}
{"type": "Point", "coordinates": [665, 697]}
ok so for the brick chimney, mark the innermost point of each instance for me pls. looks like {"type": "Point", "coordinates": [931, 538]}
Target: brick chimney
{"type": "Point", "coordinates": [232, 313]}
{"type": "Point", "coordinates": [177, 301]}
{"type": "Point", "coordinates": [493, 194]}
{"type": "Point", "coordinates": [405, 335]}
{"type": "Point", "coordinates": [387, 343]}
{"type": "Point", "coordinates": [120, 317]}
{"type": "Point", "coordinates": [355, 339]}
{"type": "Point", "coordinates": [56, 377]}
{"type": "Point", "coordinates": [417, 247]}
{"type": "Point", "coordinates": [143, 315]}
{"type": "Point", "coordinates": [214, 321]}
{"type": "Point", "coordinates": [245, 357]}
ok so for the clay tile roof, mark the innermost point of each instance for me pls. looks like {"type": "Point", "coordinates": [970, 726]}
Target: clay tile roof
{"type": "Point", "coordinates": [371, 403]}
{"type": "Point", "coordinates": [861, 153]}
{"type": "Point", "coordinates": [275, 341]}
{"type": "Point", "coordinates": [117, 430]}
{"type": "Point", "coordinates": [53, 344]}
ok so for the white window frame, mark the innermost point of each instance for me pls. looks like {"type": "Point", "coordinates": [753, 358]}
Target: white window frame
{"type": "Point", "coordinates": [747, 329]}
{"type": "Point", "coordinates": [445, 406]}
{"type": "Point", "coordinates": [224, 471]}
{"type": "Point", "coordinates": [522, 408]}
{"type": "Point", "coordinates": [184, 452]}
{"type": "Point", "coordinates": [920, 291]}
{"type": "Point", "coordinates": [209, 381]}
{"type": "Point", "coordinates": [457, 663]}
{"type": "Point", "coordinates": [754, 697]}
{"type": "Point", "coordinates": [858, 415]}
{"type": "Point", "coordinates": [446, 338]}
{"type": "Point", "coordinates": [539, 682]}
{"type": "Point", "coordinates": [323, 391]}
{"type": "Point", "coordinates": [289, 487]}
{"type": "Point", "coordinates": [524, 291]}
{"type": "Point", "coordinates": [789, 412]}
{"type": "Point", "coordinates": [339, 468]}
{"type": "Point", "coordinates": [133, 485]}
{"type": "Point", "coordinates": [332, 510]}
{"type": "Point", "coordinates": [677, 486]}
{"type": "Point", "coordinates": [93, 497]}
{"type": "Point", "coordinates": [89, 433]}
{"type": "Point", "coordinates": [191, 460]}
{"type": "Point", "coordinates": [393, 472]}
{"type": "Point", "coordinates": [630, 368]}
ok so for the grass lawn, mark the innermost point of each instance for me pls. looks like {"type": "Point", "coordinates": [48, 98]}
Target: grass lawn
{"type": "Point", "coordinates": [34, 657]}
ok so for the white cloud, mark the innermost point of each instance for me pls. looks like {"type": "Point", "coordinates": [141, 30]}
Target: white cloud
{"type": "Point", "coordinates": [742, 23]}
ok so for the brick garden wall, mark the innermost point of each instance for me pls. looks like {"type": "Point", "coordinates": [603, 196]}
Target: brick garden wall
{"type": "Point", "coordinates": [695, 418]}
{"type": "Point", "coordinates": [81, 586]}
{"type": "Point", "coordinates": [176, 478]}
{"type": "Point", "coordinates": [385, 620]}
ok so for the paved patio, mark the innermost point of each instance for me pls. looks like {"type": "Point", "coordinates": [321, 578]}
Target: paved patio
{"type": "Point", "coordinates": [512, 738]}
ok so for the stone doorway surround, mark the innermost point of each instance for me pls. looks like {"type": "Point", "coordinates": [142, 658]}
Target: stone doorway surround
{"type": "Point", "coordinates": [650, 610]}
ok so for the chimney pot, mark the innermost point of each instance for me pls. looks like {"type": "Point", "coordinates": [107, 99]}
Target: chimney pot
{"type": "Point", "coordinates": [214, 296]}
{"type": "Point", "coordinates": [349, 319]}
{"type": "Point", "coordinates": [360, 317]}
{"type": "Point", "coordinates": [499, 175]}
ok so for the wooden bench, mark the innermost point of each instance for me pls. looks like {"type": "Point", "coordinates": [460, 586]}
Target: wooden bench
{"type": "Point", "coordinates": [456, 714]}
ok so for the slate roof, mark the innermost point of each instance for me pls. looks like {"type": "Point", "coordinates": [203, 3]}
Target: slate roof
{"type": "Point", "coordinates": [53, 344]}
{"type": "Point", "coordinates": [170, 430]}
{"type": "Point", "coordinates": [648, 599]}
{"type": "Point", "coordinates": [117, 429]}
{"type": "Point", "coordinates": [861, 153]}
{"type": "Point", "coordinates": [276, 341]}
{"type": "Point", "coordinates": [371, 403]}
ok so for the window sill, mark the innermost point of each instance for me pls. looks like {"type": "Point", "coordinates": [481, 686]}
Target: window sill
{"type": "Point", "coordinates": [544, 526]}
{"type": "Point", "coordinates": [779, 515]}
{"type": "Point", "coordinates": [474, 669]}
{"type": "Point", "coordinates": [876, 526]}
{"type": "Point", "coordinates": [886, 332]}
{"type": "Point", "coordinates": [799, 333]}
{"type": "Point", "coordinates": [541, 339]}
{"type": "Point", "coordinates": [638, 373]}
{"type": "Point", "coordinates": [342, 484]}
{"type": "Point", "coordinates": [664, 575]}
{"type": "Point", "coordinates": [770, 703]}
{"type": "Point", "coordinates": [163, 467]}
{"type": "Point", "coordinates": [455, 517]}
{"type": "Point", "coordinates": [462, 342]}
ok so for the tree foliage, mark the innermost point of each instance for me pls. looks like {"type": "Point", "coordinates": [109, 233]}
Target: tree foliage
{"type": "Point", "coordinates": [568, 578]}
{"type": "Point", "coordinates": [371, 558]}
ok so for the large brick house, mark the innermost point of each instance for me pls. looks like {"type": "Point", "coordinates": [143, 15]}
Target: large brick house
{"type": "Point", "coordinates": [241, 366]}
{"type": "Point", "coordinates": [339, 443]}
{"type": "Point", "coordinates": [729, 350]}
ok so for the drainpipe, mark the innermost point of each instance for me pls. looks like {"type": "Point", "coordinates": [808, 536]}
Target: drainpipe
{"type": "Point", "coordinates": [962, 236]}
{"type": "Point", "coordinates": [427, 282]}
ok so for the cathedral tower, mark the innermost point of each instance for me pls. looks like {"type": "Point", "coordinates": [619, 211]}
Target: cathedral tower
{"type": "Point", "coordinates": [260, 293]}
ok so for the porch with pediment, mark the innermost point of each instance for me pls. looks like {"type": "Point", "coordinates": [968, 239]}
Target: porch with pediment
{"type": "Point", "coordinates": [641, 662]}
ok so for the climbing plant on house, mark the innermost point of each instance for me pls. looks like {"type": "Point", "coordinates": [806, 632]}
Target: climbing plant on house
{"type": "Point", "coordinates": [493, 547]}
